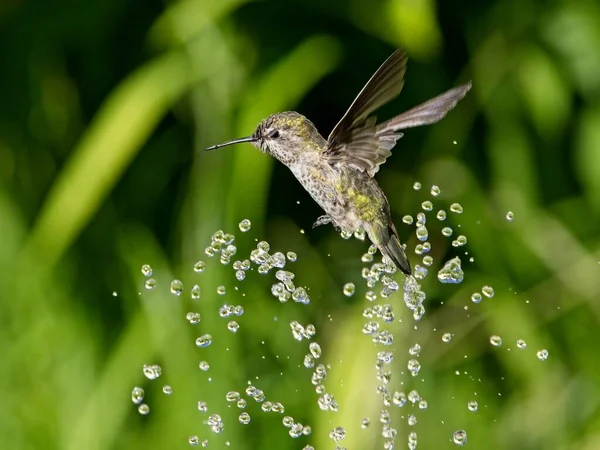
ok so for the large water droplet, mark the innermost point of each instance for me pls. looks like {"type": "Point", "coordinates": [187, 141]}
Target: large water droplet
{"type": "Point", "coordinates": [244, 418]}
{"type": "Point", "coordinates": [459, 437]}
{"type": "Point", "coordinates": [435, 191]}
{"type": "Point", "coordinates": [422, 233]}
{"type": "Point", "coordinates": [143, 409]}
{"type": "Point", "coordinates": [150, 284]}
{"type": "Point", "coordinates": [427, 205]}
{"type": "Point", "coordinates": [476, 297]}
{"type": "Point", "coordinates": [496, 340]}
{"type": "Point", "coordinates": [441, 215]}
{"type": "Point", "coordinates": [521, 344]}
{"type": "Point", "coordinates": [510, 216]}
{"type": "Point", "coordinates": [446, 337]}
{"type": "Point", "coordinates": [152, 371]}
{"type": "Point", "coordinates": [408, 220]}
{"type": "Point", "coordinates": [417, 186]}
{"type": "Point", "coordinates": [176, 287]}
{"type": "Point", "coordinates": [542, 355]}
{"type": "Point", "coordinates": [147, 270]}
{"type": "Point", "coordinates": [199, 267]}
{"type": "Point", "coordinates": [137, 395]}
{"type": "Point", "coordinates": [456, 208]}
{"type": "Point", "coordinates": [349, 289]}
{"type": "Point", "coordinates": [451, 272]}
{"type": "Point", "coordinates": [245, 225]}
{"type": "Point", "coordinates": [204, 340]}
{"type": "Point", "coordinates": [472, 405]}
{"type": "Point", "coordinates": [488, 291]}
{"type": "Point", "coordinates": [193, 317]}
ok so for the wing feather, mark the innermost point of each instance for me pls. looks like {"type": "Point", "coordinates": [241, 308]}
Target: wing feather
{"type": "Point", "coordinates": [359, 142]}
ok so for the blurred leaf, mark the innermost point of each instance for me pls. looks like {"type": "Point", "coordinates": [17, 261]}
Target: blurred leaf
{"type": "Point", "coordinates": [545, 93]}
{"type": "Point", "coordinates": [126, 120]}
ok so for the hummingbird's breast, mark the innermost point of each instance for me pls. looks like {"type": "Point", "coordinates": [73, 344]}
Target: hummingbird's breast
{"type": "Point", "coordinates": [350, 197]}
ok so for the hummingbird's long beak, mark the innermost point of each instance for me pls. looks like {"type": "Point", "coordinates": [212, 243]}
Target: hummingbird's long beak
{"type": "Point", "coordinates": [235, 141]}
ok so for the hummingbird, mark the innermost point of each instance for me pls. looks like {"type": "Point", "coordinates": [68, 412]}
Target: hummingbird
{"type": "Point", "coordinates": [339, 172]}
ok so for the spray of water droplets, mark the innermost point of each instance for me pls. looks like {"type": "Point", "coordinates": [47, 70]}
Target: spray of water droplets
{"type": "Point", "coordinates": [381, 286]}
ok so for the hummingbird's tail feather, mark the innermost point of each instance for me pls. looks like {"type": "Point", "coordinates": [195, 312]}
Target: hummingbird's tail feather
{"type": "Point", "coordinates": [387, 241]}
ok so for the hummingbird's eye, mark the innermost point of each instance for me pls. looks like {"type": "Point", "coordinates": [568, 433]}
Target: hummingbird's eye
{"type": "Point", "coordinates": [274, 134]}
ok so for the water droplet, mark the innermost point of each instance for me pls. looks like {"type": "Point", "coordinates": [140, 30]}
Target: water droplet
{"type": "Point", "coordinates": [447, 231]}
{"type": "Point", "coordinates": [167, 389]}
{"type": "Point", "coordinates": [420, 272]}
{"type": "Point", "coordinates": [193, 318]}
{"type": "Point", "coordinates": [441, 215]}
{"type": "Point", "coordinates": [399, 399]}
{"type": "Point", "coordinates": [446, 337]}
{"type": "Point", "coordinates": [232, 396]}
{"type": "Point", "coordinates": [427, 260]}
{"type": "Point", "coordinates": [315, 350]}
{"type": "Point", "coordinates": [291, 256]}
{"type": "Point", "coordinates": [496, 340]}
{"type": "Point", "coordinates": [476, 297]}
{"type": "Point", "coordinates": [360, 234]}
{"type": "Point", "coordinates": [415, 350]}
{"type": "Point", "coordinates": [422, 233]}
{"type": "Point", "coordinates": [408, 220]}
{"type": "Point", "coordinates": [417, 186]}
{"type": "Point", "coordinates": [412, 420]}
{"type": "Point", "coordinates": [202, 406]}
{"type": "Point", "coordinates": [300, 296]}
{"type": "Point", "coordinates": [510, 216]}
{"type": "Point", "coordinates": [199, 267]}
{"type": "Point", "coordinates": [176, 287]}
{"type": "Point", "coordinates": [245, 225]}
{"type": "Point", "coordinates": [337, 434]}
{"type": "Point", "coordinates": [221, 290]}
{"type": "Point", "coordinates": [364, 424]}
{"type": "Point", "coordinates": [204, 340]}
{"type": "Point", "coordinates": [456, 208]}
{"type": "Point", "coordinates": [472, 405]}
{"type": "Point", "coordinates": [460, 241]}
{"type": "Point", "coordinates": [195, 292]}
{"type": "Point", "coordinates": [215, 423]}
{"type": "Point", "coordinates": [349, 289]}
{"type": "Point", "coordinates": [233, 326]}
{"type": "Point", "coordinates": [150, 284]}
{"type": "Point", "coordinates": [435, 190]}
{"type": "Point", "coordinates": [152, 371]}
{"type": "Point", "coordinates": [460, 437]}
{"type": "Point", "coordinates": [143, 409]}
{"type": "Point", "coordinates": [542, 355]}
{"type": "Point", "coordinates": [451, 272]}
{"type": "Point", "coordinates": [204, 366]}
{"type": "Point", "coordinates": [137, 395]}
{"type": "Point", "coordinates": [413, 367]}
{"type": "Point", "coordinates": [194, 440]}
{"type": "Point", "coordinates": [244, 418]}
{"type": "Point", "coordinates": [240, 275]}
{"type": "Point", "coordinates": [521, 344]}
{"type": "Point", "coordinates": [423, 404]}
{"type": "Point", "coordinates": [488, 291]}
{"type": "Point", "coordinates": [146, 270]}
{"type": "Point", "coordinates": [412, 440]}
{"type": "Point", "coordinates": [427, 205]}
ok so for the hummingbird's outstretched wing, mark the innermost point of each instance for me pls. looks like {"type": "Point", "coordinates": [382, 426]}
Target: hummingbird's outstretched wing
{"type": "Point", "coordinates": [358, 141]}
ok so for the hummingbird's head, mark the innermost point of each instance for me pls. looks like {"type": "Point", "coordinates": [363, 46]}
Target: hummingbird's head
{"type": "Point", "coordinates": [283, 135]}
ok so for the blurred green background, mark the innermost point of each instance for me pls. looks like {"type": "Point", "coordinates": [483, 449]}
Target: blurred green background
{"type": "Point", "coordinates": [105, 107]}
